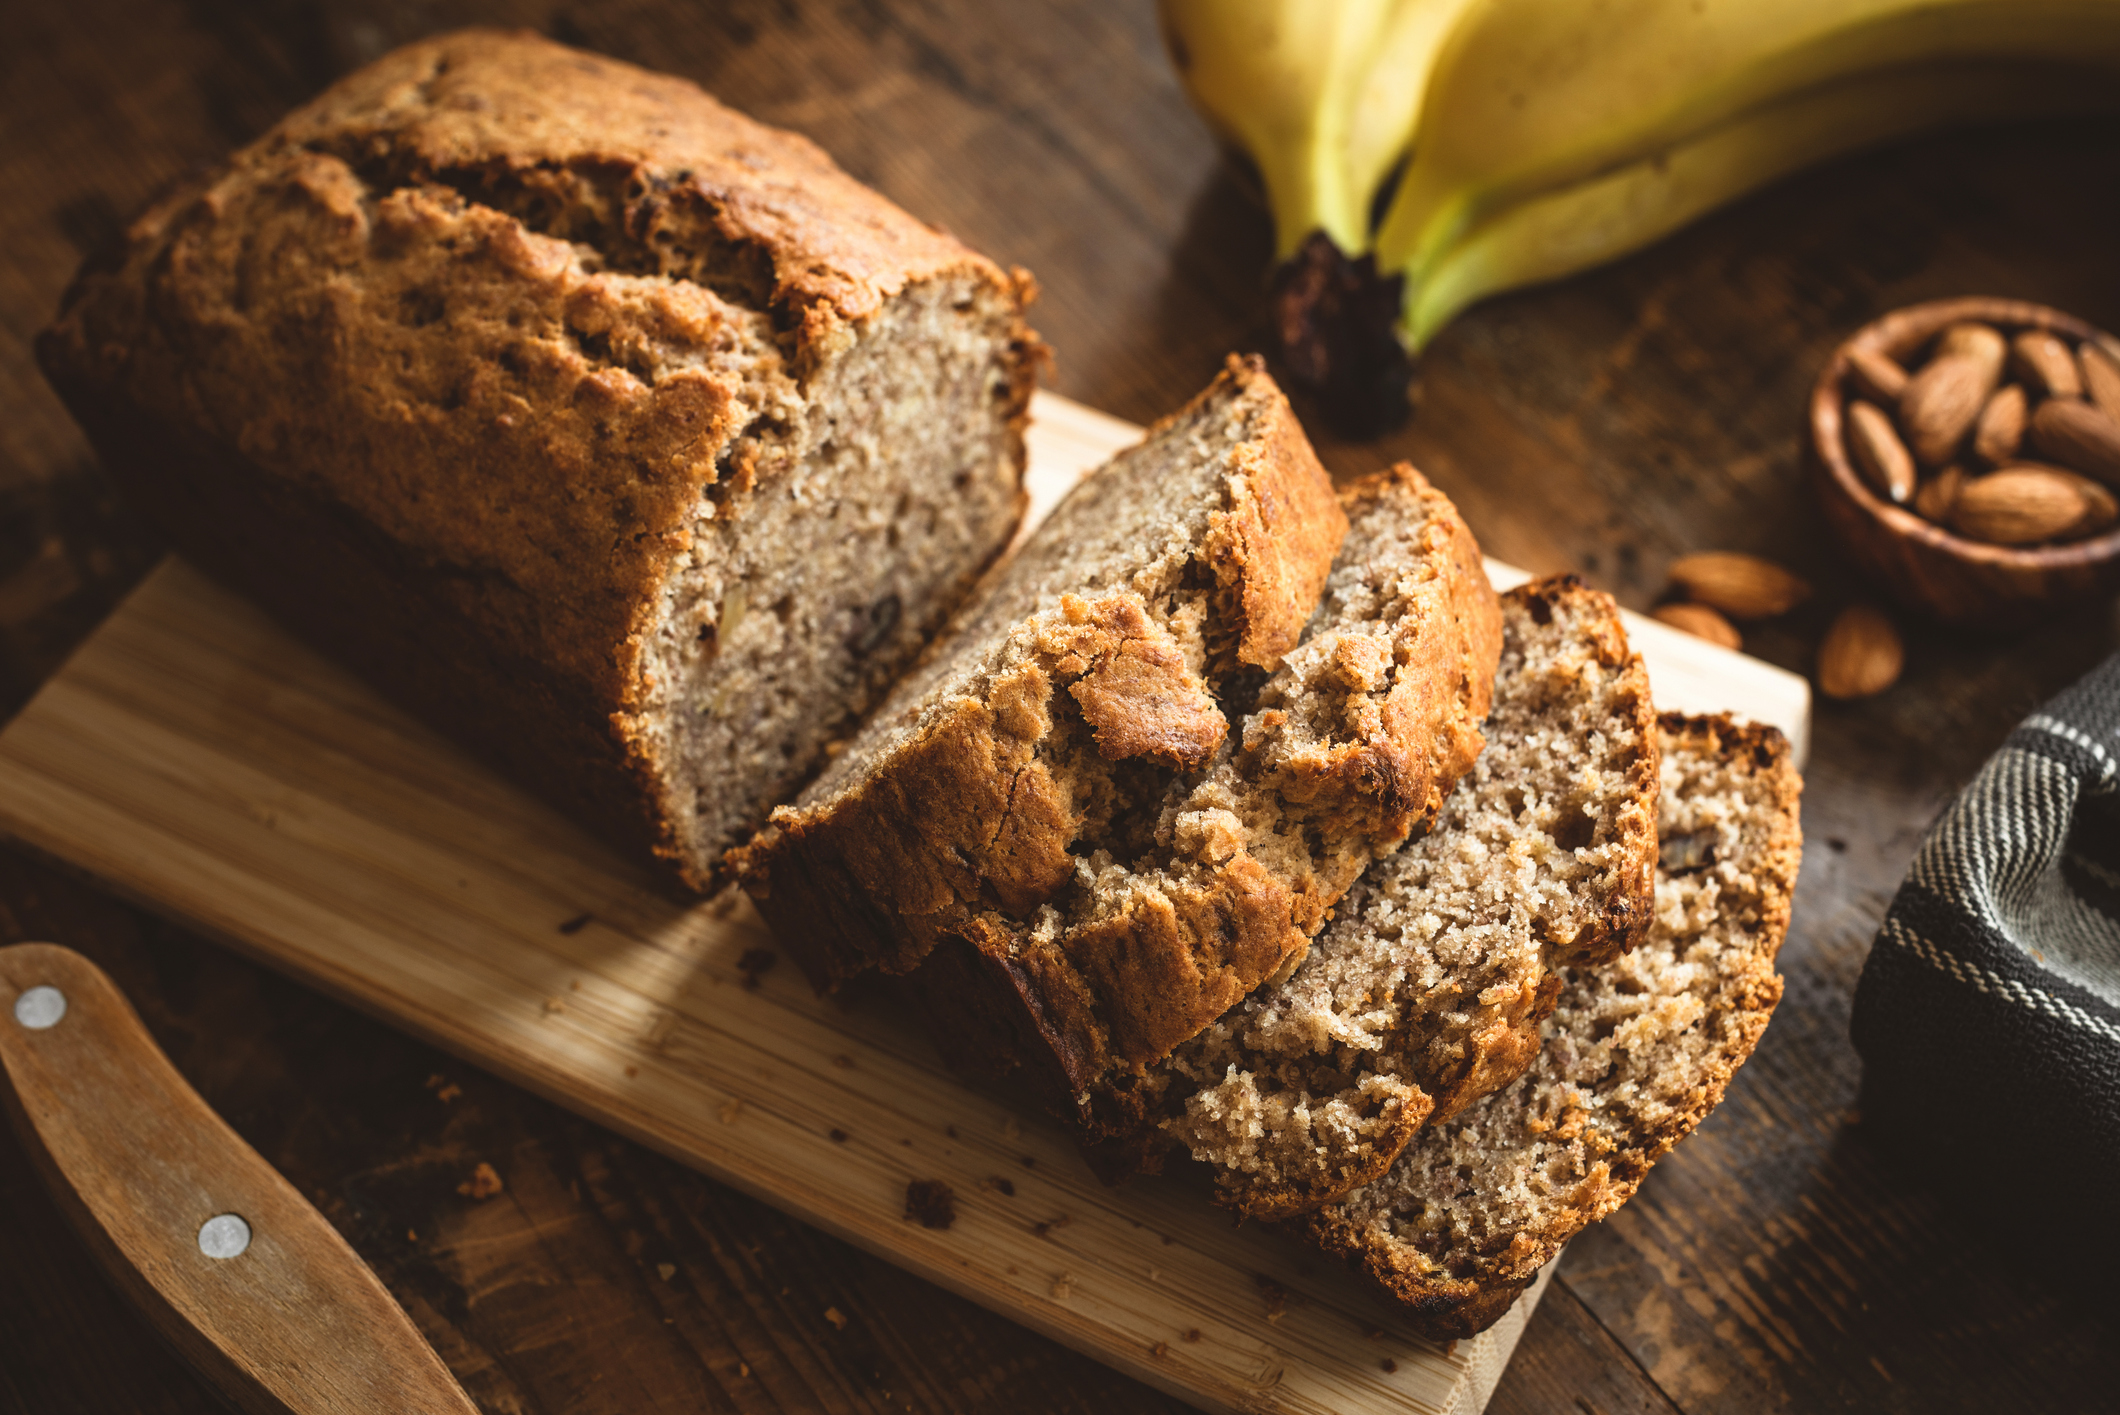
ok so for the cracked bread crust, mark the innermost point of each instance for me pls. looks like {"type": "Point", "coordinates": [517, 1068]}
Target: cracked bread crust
{"type": "Point", "coordinates": [1357, 737]}
{"type": "Point", "coordinates": [1639, 1052]}
{"type": "Point", "coordinates": [1377, 715]}
{"type": "Point", "coordinates": [501, 370]}
{"type": "Point", "coordinates": [1427, 990]}
{"type": "Point", "coordinates": [1088, 669]}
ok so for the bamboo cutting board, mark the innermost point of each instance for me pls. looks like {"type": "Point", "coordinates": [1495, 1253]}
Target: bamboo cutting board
{"type": "Point", "coordinates": [198, 760]}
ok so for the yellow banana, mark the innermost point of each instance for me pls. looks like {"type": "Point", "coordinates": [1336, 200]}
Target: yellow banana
{"type": "Point", "coordinates": [1559, 232]}
{"type": "Point", "coordinates": [1320, 94]}
{"type": "Point", "coordinates": [1534, 97]}
{"type": "Point", "coordinates": [1380, 125]}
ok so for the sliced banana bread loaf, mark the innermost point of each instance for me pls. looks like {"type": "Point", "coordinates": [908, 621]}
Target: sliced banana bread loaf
{"type": "Point", "coordinates": [628, 440]}
{"type": "Point", "coordinates": [1427, 989]}
{"type": "Point", "coordinates": [1055, 801]}
{"type": "Point", "coordinates": [1639, 1052]}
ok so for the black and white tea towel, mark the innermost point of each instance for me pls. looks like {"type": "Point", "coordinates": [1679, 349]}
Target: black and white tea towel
{"type": "Point", "coordinates": [1988, 1016]}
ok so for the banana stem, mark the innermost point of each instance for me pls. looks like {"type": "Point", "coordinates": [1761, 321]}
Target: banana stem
{"type": "Point", "coordinates": [1336, 320]}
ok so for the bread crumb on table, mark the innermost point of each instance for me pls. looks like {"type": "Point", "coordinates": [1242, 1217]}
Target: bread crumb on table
{"type": "Point", "coordinates": [484, 1182]}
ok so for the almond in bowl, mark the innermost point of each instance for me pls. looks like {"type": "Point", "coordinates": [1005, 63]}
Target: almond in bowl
{"type": "Point", "coordinates": [1968, 453]}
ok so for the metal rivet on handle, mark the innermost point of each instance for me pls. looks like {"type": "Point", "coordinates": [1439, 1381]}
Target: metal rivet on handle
{"type": "Point", "coordinates": [40, 1007]}
{"type": "Point", "coordinates": [224, 1236]}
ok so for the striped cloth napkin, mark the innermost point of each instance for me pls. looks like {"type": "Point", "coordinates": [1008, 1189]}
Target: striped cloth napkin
{"type": "Point", "coordinates": [1988, 1015]}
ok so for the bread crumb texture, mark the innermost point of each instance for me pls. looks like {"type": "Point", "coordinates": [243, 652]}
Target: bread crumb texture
{"type": "Point", "coordinates": [1638, 1052]}
{"type": "Point", "coordinates": [1427, 990]}
{"type": "Point", "coordinates": [626, 438]}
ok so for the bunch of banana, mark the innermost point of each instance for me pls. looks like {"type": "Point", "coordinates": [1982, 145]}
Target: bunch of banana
{"type": "Point", "coordinates": [1546, 136]}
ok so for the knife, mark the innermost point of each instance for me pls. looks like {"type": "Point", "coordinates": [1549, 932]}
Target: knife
{"type": "Point", "coordinates": [237, 1271]}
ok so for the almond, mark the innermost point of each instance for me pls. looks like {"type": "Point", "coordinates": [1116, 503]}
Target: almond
{"type": "Point", "coordinates": [2045, 363]}
{"type": "Point", "coordinates": [2000, 430]}
{"type": "Point", "coordinates": [1969, 337]}
{"type": "Point", "coordinates": [2022, 505]}
{"type": "Point", "coordinates": [2101, 507]}
{"type": "Point", "coordinates": [1941, 401]}
{"type": "Point", "coordinates": [1877, 376]}
{"type": "Point", "coordinates": [1885, 462]}
{"type": "Point", "coordinates": [1741, 586]}
{"type": "Point", "coordinates": [2101, 377]}
{"type": "Point", "coordinates": [1934, 498]}
{"type": "Point", "coordinates": [2079, 437]}
{"type": "Point", "coordinates": [1862, 654]}
{"type": "Point", "coordinates": [1701, 622]}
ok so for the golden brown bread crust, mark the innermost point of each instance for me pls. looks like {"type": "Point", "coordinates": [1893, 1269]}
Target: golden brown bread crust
{"type": "Point", "coordinates": [1273, 547]}
{"type": "Point", "coordinates": [479, 511]}
{"type": "Point", "coordinates": [1397, 753]}
{"type": "Point", "coordinates": [971, 812]}
{"type": "Point", "coordinates": [1458, 1295]}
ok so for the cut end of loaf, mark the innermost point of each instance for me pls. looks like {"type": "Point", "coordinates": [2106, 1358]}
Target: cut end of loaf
{"type": "Point", "coordinates": [853, 524]}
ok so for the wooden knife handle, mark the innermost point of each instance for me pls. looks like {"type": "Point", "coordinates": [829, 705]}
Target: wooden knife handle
{"type": "Point", "coordinates": [290, 1320]}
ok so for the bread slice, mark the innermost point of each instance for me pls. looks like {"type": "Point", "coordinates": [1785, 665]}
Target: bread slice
{"type": "Point", "coordinates": [1638, 1053]}
{"type": "Point", "coordinates": [1427, 989]}
{"type": "Point", "coordinates": [1055, 803]}
{"type": "Point", "coordinates": [626, 439]}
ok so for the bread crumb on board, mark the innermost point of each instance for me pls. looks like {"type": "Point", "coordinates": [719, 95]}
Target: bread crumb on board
{"type": "Point", "coordinates": [484, 1182]}
{"type": "Point", "coordinates": [930, 1203]}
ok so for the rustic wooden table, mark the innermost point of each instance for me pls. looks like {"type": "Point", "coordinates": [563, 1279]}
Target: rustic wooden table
{"type": "Point", "coordinates": [1778, 1260]}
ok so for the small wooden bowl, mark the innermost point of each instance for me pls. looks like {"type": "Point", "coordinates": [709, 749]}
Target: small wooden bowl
{"type": "Point", "coordinates": [1921, 564]}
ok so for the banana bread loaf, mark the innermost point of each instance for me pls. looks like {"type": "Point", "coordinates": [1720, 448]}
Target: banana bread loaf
{"type": "Point", "coordinates": [624, 438]}
{"type": "Point", "coordinates": [1427, 989]}
{"type": "Point", "coordinates": [1055, 816]}
{"type": "Point", "coordinates": [1639, 1052]}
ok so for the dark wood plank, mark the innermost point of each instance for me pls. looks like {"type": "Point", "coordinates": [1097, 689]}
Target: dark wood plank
{"type": "Point", "coordinates": [1571, 1364]}
{"type": "Point", "coordinates": [1606, 424]}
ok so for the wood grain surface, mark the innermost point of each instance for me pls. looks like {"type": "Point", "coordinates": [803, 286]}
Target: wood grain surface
{"type": "Point", "coordinates": [195, 758]}
{"type": "Point", "coordinates": [1779, 1260]}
